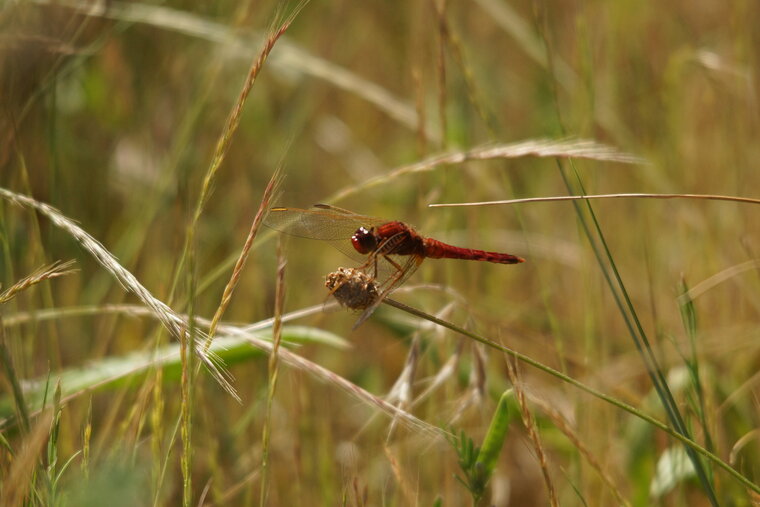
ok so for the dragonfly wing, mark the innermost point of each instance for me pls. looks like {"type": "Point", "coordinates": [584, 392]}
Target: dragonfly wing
{"type": "Point", "coordinates": [400, 276]}
{"type": "Point", "coordinates": [311, 223]}
{"type": "Point", "coordinates": [364, 219]}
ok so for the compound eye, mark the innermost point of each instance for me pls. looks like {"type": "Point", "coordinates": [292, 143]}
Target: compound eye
{"type": "Point", "coordinates": [363, 241]}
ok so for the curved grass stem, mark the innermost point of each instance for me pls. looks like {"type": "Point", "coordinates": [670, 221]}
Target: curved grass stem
{"type": "Point", "coordinates": [583, 387]}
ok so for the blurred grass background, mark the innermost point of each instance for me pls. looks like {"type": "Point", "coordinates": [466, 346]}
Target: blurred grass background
{"type": "Point", "coordinates": [111, 113]}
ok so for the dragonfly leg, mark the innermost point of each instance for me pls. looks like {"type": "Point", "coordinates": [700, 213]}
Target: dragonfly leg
{"type": "Point", "coordinates": [394, 263]}
{"type": "Point", "coordinates": [386, 248]}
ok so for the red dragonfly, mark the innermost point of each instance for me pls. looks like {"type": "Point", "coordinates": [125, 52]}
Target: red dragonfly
{"type": "Point", "coordinates": [389, 246]}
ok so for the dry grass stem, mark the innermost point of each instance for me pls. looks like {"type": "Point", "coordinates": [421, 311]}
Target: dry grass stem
{"type": "Point", "coordinates": [186, 399]}
{"type": "Point", "coordinates": [440, 11]}
{"type": "Point", "coordinates": [237, 271]}
{"type": "Point", "coordinates": [273, 367]}
{"type": "Point", "coordinates": [248, 333]}
{"type": "Point", "coordinates": [400, 393]}
{"type": "Point", "coordinates": [19, 479]}
{"type": "Point", "coordinates": [563, 148]}
{"type": "Point", "coordinates": [9, 369]}
{"type": "Point", "coordinates": [419, 105]}
{"type": "Point", "coordinates": [446, 372]}
{"type": "Point", "coordinates": [449, 39]}
{"type": "Point", "coordinates": [564, 426]}
{"type": "Point", "coordinates": [740, 444]}
{"type": "Point", "coordinates": [706, 197]}
{"type": "Point", "coordinates": [294, 360]}
{"type": "Point", "coordinates": [717, 279]}
{"type": "Point", "coordinates": [401, 477]}
{"type": "Point", "coordinates": [222, 147]}
{"type": "Point", "coordinates": [54, 270]}
{"type": "Point", "coordinates": [229, 495]}
{"type": "Point", "coordinates": [223, 144]}
{"type": "Point", "coordinates": [20, 318]}
{"type": "Point", "coordinates": [530, 426]}
{"type": "Point", "coordinates": [170, 320]}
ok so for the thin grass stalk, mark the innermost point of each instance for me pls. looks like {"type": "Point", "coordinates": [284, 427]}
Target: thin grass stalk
{"type": "Point", "coordinates": [187, 388]}
{"type": "Point", "coordinates": [530, 426]}
{"type": "Point", "coordinates": [543, 148]}
{"type": "Point", "coordinates": [273, 365]}
{"type": "Point", "coordinates": [157, 432]}
{"type": "Point", "coordinates": [628, 311]}
{"type": "Point", "coordinates": [55, 270]}
{"type": "Point", "coordinates": [440, 9]}
{"type": "Point", "coordinates": [128, 244]}
{"type": "Point", "coordinates": [562, 424]}
{"type": "Point", "coordinates": [51, 463]}
{"type": "Point", "coordinates": [20, 482]}
{"type": "Point", "coordinates": [406, 489]}
{"type": "Point", "coordinates": [419, 103]}
{"type": "Point", "coordinates": [47, 294]}
{"type": "Point", "coordinates": [707, 197]}
{"type": "Point", "coordinates": [450, 40]}
{"type": "Point", "coordinates": [86, 437]}
{"type": "Point", "coordinates": [10, 373]}
{"type": "Point", "coordinates": [132, 423]}
{"type": "Point", "coordinates": [237, 271]}
{"type": "Point", "coordinates": [186, 427]}
{"type": "Point", "coordinates": [165, 461]}
{"type": "Point", "coordinates": [509, 20]}
{"type": "Point", "coordinates": [637, 333]}
{"type": "Point", "coordinates": [367, 398]}
{"type": "Point", "coordinates": [226, 497]}
{"type": "Point", "coordinates": [717, 278]}
{"type": "Point", "coordinates": [286, 356]}
{"type": "Point", "coordinates": [689, 319]}
{"type": "Point", "coordinates": [583, 387]}
{"type": "Point", "coordinates": [168, 317]}
{"type": "Point", "coordinates": [225, 139]}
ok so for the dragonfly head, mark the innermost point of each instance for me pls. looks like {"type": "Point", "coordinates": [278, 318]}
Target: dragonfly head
{"type": "Point", "coordinates": [364, 240]}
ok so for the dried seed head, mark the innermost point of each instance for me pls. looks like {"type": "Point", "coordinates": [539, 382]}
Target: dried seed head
{"type": "Point", "coordinates": [352, 288]}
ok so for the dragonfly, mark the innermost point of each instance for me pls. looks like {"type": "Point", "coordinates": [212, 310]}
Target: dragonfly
{"type": "Point", "coordinates": [391, 250]}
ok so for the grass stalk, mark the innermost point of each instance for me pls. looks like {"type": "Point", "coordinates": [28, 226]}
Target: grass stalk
{"type": "Point", "coordinates": [237, 271]}
{"type": "Point", "coordinates": [530, 426]}
{"type": "Point", "coordinates": [688, 442]}
{"type": "Point", "coordinates": [10, 373]}
{"type": "Point", "coordinates": [273, 367]}
{"type": "Point", "coordinates": [706, 197]}
{"type": "Point", "coordinates": [228, 132]}
{"type": "Point", "coordinates": [620, 294]}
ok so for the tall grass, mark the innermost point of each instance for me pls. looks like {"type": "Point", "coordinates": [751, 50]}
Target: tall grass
{"type": "Point", "coordinates": [179, 363]}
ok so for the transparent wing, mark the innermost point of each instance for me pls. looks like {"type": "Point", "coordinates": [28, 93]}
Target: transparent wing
{"type": "Point", "coordinates": [322, 222]}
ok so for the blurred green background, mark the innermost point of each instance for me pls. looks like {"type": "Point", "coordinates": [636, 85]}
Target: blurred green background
{"type": "Point", "coordinates": [111, 113]}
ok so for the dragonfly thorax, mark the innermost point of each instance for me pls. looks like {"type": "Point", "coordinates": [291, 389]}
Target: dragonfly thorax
{"type": "Point", "coordinates": [364, 240]}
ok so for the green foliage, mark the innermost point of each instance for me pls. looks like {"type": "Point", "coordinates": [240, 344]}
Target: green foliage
{"type": "Point", "coordinates": [478, 463]}
{"type": "Point", "coordinates": [474, 479]}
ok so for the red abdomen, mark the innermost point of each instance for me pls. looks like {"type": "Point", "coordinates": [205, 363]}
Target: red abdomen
{"type": "Point", "coordinates": [437, 250]}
